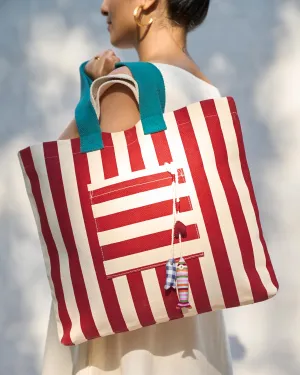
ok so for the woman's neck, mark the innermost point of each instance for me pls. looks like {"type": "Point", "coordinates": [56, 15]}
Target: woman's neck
{"type": "Point", "coordinates": [167, 45]}
{"type": "Point", "coordinates": [162, 45]}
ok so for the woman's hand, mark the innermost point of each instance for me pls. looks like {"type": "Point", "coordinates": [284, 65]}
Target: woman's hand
{"type": "Point", "coordinates": [101, 65]}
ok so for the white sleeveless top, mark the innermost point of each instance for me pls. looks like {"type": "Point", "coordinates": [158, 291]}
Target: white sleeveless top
{"type": "Point", "coordinates": [191, 346]}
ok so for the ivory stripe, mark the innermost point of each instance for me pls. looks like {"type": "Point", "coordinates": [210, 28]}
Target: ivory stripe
{"type": "Point", "coordinates": [96, 169]}
{"type": "Point", "coordinates": [147, 148]}
{"type": "Point", "coordinates": [126, 303]}
{"type": "Point", "coordinates": [121, 153]}
{"type": "Point", "coordinates": [154, 295]}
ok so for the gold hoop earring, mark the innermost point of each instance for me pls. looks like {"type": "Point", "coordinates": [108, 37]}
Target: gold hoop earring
{"type": "Point", "coordinates": [137, 17]}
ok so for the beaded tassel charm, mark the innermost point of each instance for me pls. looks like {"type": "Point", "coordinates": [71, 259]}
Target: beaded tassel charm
{"type": "Point", "coordinates": [182, 279]}
{"type": "Point", "coordinates": [171, 274]}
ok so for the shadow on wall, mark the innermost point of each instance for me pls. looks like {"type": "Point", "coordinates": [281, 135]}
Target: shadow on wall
{"type": "Point", "coordinates": [42, 44]}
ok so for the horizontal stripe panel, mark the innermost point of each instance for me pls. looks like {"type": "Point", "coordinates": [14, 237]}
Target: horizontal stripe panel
{"type": "Point", "coordinates": [137, 200]}
{"type": "Point", "coordinates": [143, 229]}
{"type": "Point", "coordinates": [145, 243]}
{"type": "Point", "coordinates": [136, 215]}
{"type": "Point", "coordinates": [114, 180]}
{"type": "Point", "coordinates": [151, 258]}
{"type": "Point", "coordinates": [134, 186]}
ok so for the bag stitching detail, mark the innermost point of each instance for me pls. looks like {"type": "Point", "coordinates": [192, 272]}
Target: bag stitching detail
{"type": "Point", "coordinates": [127, 187]}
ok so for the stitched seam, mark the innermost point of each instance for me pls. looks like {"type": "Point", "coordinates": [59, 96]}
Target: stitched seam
{"type": "Point", "coordinates": [189, 122]}
{"type": "Point", "coordinates": [127, 187]}
{"type": "Point", "coordinates": [190, 203]}
{"type": "Point", "coordinates": [182, 123]}
{"type": "Point", "coordinates": [181, 174]}
{"type": "Point", "coordinates": [128, 145]}
{"type": "Point", "coordinates": [197, 230]}
{"type": "Point", "coordinates": [78, 153]}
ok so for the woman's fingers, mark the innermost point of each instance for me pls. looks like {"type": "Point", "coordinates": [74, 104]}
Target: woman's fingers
{"type": "Point", "coordinates": [102, 64]}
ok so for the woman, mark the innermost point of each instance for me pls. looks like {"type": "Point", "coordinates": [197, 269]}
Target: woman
{"type": "Point", "coordinates": [157, 29]}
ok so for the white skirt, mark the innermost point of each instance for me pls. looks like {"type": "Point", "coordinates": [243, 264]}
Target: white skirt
{"type": "Point", "coordinates": [191, 346]}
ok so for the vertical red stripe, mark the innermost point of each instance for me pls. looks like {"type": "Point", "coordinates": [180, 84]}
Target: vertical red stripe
{"type": "Point", "coordinates": [106, 286]}
{"type": "Point", "coordinates": [218, 142]}
{"type": "Point", "coordinates": [247, 177]}
{"type": "Point", "coordinates": [170, 296]}
{"type": "Point", "coordinates": [88, 326]}
{"type": "Point", "coordinates": [197, 285]}
{"type": "Point", "coordinates": [64, 317]}
{"type": "Point", "coordinates": [134, 150]}
{"type": "Point", "coordinates": [162, 148]}
{"type": "Point", "coordinates": [140, 299]}
{"type": "Point", "coordinates": [210, 216]}
{"type": "Point", "coordinates": [109, 162]}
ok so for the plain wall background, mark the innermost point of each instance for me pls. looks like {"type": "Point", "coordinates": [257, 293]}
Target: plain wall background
{"type": "Point", "coordinates": [250, 50]}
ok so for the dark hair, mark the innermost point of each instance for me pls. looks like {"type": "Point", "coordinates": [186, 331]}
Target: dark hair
{"type": "Point", "coordinates": [188, 13]}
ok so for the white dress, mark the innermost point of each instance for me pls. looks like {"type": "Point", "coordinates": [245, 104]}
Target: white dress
{"type": "Point", "coordinates": [191, 346]}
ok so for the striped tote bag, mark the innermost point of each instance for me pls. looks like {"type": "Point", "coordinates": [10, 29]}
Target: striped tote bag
{"type": "Point", "coordinates": [155, 223]}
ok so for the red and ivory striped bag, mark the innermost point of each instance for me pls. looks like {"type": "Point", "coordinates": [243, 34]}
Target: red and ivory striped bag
{"type": "Point", "coordinates": [137, 225]}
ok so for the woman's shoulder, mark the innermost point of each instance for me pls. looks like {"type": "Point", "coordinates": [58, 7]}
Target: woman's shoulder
{"type": "Point", "coordinates": [183, 88]}
{"type": "Point", "coordinates": [176, 76]}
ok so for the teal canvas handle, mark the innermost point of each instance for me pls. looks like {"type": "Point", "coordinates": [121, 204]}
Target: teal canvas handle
{"type": "Point", "coordinates": [152, 101]}
{"type": "Point", "coordinates": [86, 118]}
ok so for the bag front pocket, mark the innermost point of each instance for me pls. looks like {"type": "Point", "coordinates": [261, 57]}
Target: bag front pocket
{"type": "Point", "coordinates": [134, 221]}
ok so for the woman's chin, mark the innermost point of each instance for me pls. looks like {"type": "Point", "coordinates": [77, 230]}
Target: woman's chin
{"type": "Point", "coordinates": [114, 42]}
{"type": "Point", "coordinates": [120, 42]}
